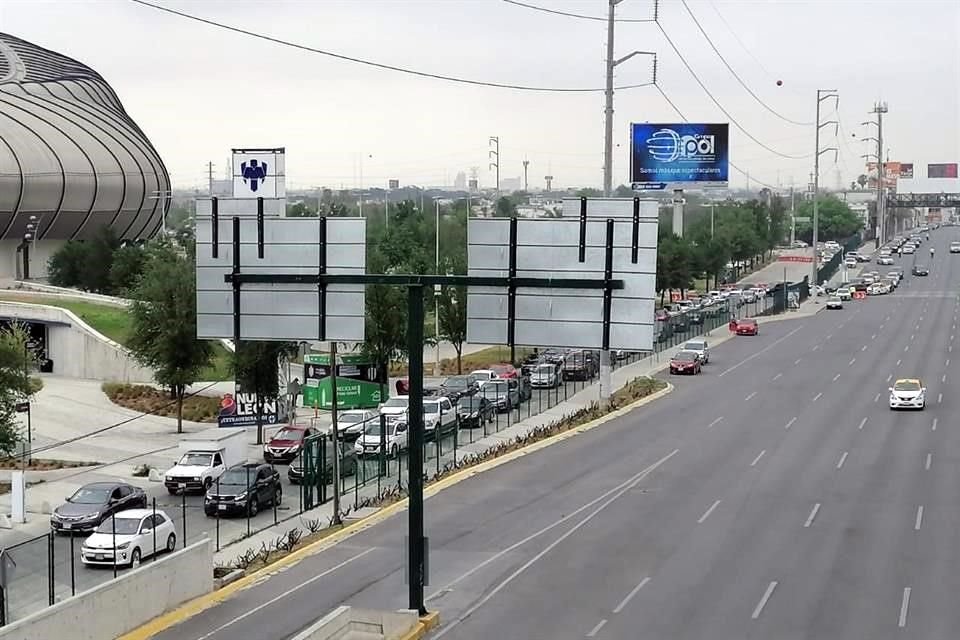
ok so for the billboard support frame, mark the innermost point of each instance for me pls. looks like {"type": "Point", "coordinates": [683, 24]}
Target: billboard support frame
{"type": "Point", "coordinates": [415, 284]}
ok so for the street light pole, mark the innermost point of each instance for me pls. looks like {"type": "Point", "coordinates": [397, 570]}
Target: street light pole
{"type": "Point", "coordinates": [880, 108]}
{"type": "Point", "coordinates": [436, 293]}
{"type": "Point", "coordinates": [822, 94]}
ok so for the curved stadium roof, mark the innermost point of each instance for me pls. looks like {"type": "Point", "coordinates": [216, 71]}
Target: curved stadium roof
{"type": "Point", "coordinates": [69, 153]}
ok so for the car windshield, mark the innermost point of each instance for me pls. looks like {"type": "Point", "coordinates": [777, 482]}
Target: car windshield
{"type": "Point", "coordinates": [350, 418]}
{"type": "Point", "coordinates": [545, 369]}
{"type": "Point", "coordinates": [239, 476]}
{"type": "Point", "coordinates": [472, 402]}
{"type": "Point", "coordinates": [124, 526]}
{"type": "Point", "coordinates": [695, 346]}
{"type": "Point", "coordinates": [373, 428]}
{"type": "Point", "coordinates": [396, 403]}
{"type": "Point", "coordinates": [457, 382]}
{"type": "Point", "coordinates": [833, 299]}
{"type": "Point", "coordinates": [431, 407]}
{"type": "Point", "coordinates": [907, 385]}
{"type": "Point", "coordinates": [288, 434]}
{"type": "Point", "coordinates": [197, 460]}
{"type": "Point", "coordinates": [90, 495]}
{"type": "Point", "coordinates": [920, 267]}
{"type": "Point", "coordinates": [748, 323]}
{"type": "Point", "coordinates": [685, 356]}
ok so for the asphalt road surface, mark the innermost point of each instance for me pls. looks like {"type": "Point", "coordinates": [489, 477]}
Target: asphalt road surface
{"type": "Point", "coordinates": [774, 496]}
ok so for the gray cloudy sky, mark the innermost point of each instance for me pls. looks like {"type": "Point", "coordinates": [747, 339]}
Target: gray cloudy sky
{"type": "Point", "coordinates": [198, 90]}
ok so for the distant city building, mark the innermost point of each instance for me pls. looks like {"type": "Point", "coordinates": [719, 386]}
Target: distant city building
{"type": "Point", "coordinates": [72, 160]}
{"type": "Point", "coordinates": [222, 188]}
{"type": "Point", "coordinates": [508, 185]}
{"type": "Point", "coordinates": [460, 182]}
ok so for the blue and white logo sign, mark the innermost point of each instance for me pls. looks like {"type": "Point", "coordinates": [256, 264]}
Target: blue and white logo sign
{"type": "Point", "coordinates": [666, 156]}
{"type": "Point", "coordinates": [258, 173]}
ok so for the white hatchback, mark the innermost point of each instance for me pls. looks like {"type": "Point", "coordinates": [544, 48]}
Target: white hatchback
{"type": "Point", "coordinates": [128, 537]}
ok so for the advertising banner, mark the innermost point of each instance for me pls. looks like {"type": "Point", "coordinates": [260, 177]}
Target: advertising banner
{"type": "Point", "coordinates": [678, 155]}
{"type": "Point", "coordinates": [948, 170]}
{"type": "Point", "coordinates": [259, 173]}
{"type": "Point", "coordinates": [240, 410]}
{"type": "Point", "coordinates": [892, 171]}
{"type": "Point", "coordinates": [906, 170]}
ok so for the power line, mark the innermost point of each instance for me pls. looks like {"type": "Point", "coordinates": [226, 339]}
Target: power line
{"type": "Point", "coordinates": [735, 75]}
{"type": "Point", "coordinates": [737, 38]}
{"type": "Point", "coordinates": [574, 15]}
{"type": "Point", "coordinates": [380, 65]}
{"type": "Point", "coordinates": [684, 118]}
{"type": "Point", "coordinates": [717, 102]}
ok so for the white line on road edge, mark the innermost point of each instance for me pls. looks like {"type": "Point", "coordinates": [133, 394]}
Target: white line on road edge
{"type": "Point", "coordinates": [939, 398]}
{"type": "Point", "coordinates": [904, 605]}
{"type": "Point", "coordinates": [933, 427]}
{"type": "Point", "coordinates": [912, 336]}
{"type": "Point", "coordinates": [944, 378]}
{"type": "Point", "coordinates": [862, 422]}
{"type": "Point", "coordinates": [596, 629]}
{"type": "Point", "coordinates": [614, 493]}
{"type": "Point", "coordinates": [818, 396]}
{"type": "Point", "coordinates": [757, 459]}
{"type": "Point", "coordinates": [286, 594]}
{"type": "Point", "coordinates": [852, 361]}
{"type": "Point", "coordinates": [898, 362]}
{"type": "Point", "coordinates": [836, 377]}
{"type": "Point", "coordinates": [749, 397]}
{"type": "Point", "coordinates": [763, 600]}
{"type": "Point", "coordinates": [881, 327]}
{"type": "Point", "coordinates": [813, 514]}
{"type": "Point", "coordinates": [843, 459]}
{"type": "Point", "coordinates": [715, 421]}
{"type": "Point", "coordinates": [906, 348]}
{"type": "Point", "coordinates": [889, 377]}
{"type": "Point", "coordinates": [790, 424]}
{"type": "Point", "coordinates": [708, 512]}
{"type": "Point", "coordinates": [829, 336]}
{"type": "Point", "coordinates": [863, 348]}
{"type": "Point", "coordinates": [630, 595]}
{"type": "Point", "coordinates": [947, 363]}
{"type": "Point", "coordinates": [929, 461]}
{"type": "Point", "coordinates": [873, 337]}
{"type": "Point", "coordinates": [815, 347]}
{"type": "Point", "coordinates": [779, 375]}
{"type": "Point", "coordinates": [797, 361]}
{"type": "Point", "coordinates": [766, 348]}
{"type": "Point", "coordinates": [919, 521]}
{"type": "Point", "coordinates": [876, 397]}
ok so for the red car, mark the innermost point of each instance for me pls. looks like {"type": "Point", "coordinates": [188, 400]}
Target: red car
{"type": "Point", "coordinates": [504, 371]}
{"type": "Point", "coordinates": [686, 362]}
{"type": "Point", "coordinates": [286, 444]}
{"type": "Point", "coordinates": [747, 327]}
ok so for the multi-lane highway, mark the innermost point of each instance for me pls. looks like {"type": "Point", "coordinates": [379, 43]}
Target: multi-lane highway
{"type": "Point", "coordinates": [774, 496]}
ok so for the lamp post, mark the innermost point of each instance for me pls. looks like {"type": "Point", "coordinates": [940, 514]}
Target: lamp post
{"type": "Point", "coordinates": [822, 94]}
{"type": "Point", "coordinates": [436, 290]}
{"type": "Point", "coordinates": [164, 196]}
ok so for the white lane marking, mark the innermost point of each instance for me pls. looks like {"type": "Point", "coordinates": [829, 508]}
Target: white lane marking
{"type": "Point", "coordinates": [813, 514]}
{"type": "Point", "coordinates": [862, 422]}
{"type": "Point", "coordinates": [707, 513]}
{"type": "Point", "coordinates": [863, 348]}
{"type": "Point", "coordinates": [918, 326]}
{"type": "Point", "coordinates": [873, 337]}
{"type": "Point", "coordinates": [818, 396]}
{"type": "Point", "coordinates": [630, 595]}
{"type": "Point", "coordinates": [797, 361]}
{"type": "Point", "coordinates": [916, 525]}
{"type": "Point", "coordinates": [939, 398]}
{"type": "Point", "coordinates": [752, 356]}
{"type": "Point", "coordinates": [876, 398]}
{"type": "Point", "coordinates": [815, 347]}
{"type": "Point", "coordinates": [929, 461]}
{"type": "Point", "coordinates": [906, 348]}
{"type": "Point", "coordinates": [614, 494]}
{"type": "Point", "coordinates": [889, 377]}
{"type": "Point", "coordinates": [779, 375]}
{"type": "Point", "coordinates": [829, 336]}
{"type": "Point", "coordinates": [944, 378]}
{"type": "Point", "coordinates": [790, 424]}
{"type": "Point", "coordinates": [836, 377]}
{"type": "Point", "coordinates": [286, 594]}
{"type": "Point", "coordinates": [881, 326]}
{"type": "Point", "coordinates": [933, 427]}
{"type": "Point", "coordinates": [852, 361]}
{"type": "Point", "coordinates": [750, 397]}
{"type": "Point", "coordinates": [912, 336]}
{"type": "Point", "coordinates": [715, 421]}
{"type": "Point", "coordinates": [757, 459]}
{"type": "Point", "coordinates": [763, 600]}
{"type": "Point", "coordinates": [947, 363]}
{"type": "Point", "coordinates": [596, 629]}
{"type": "Point", "coordinates": [898, 362]}
{"type": "Point", "coordinates": [843, 459]}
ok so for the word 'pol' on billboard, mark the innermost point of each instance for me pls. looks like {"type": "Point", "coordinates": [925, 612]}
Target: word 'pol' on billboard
{"type": "Point", "coordinates": [678, 155]}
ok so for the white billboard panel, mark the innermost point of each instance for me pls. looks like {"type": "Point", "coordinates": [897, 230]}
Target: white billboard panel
{"type": "Point", "coordinates": [616, 208]}
{"type": "Point", "coordinates": [240, 207]}
{"type": "Point", "coordinates": [259, 173]}
{"type": "Point", "coordinates": [288, 312]}
{"type": "Point", "coordinates": [550, 317]}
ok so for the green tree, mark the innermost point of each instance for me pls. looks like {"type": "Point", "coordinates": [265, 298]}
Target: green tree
{"type": "Point", "coordinates": [836, 220]}
{"type": "Point", "coordinates": [505, 208]}
{"type": "Point", "coordinates": [95, 271]}
{"type": "Point", "coordinates": [127, 267]}
{"type": "Point", "coordinates": [589, 192]}
{"type": "Point", "coordinates": [257, 370]}
{"type": "Point", "coordinates": [300, 210]}
{"type": "Point", "coordinates": [66, 264]}
{"type": "Point", "coordinates": [14, 384]}
{"type": "Point", "coordinates": [164, 323]}
{"type": "Point", "coordinates": [453, 320]}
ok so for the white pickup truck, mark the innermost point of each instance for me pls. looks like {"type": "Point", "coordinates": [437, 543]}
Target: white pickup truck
{"type": "Point", "coordinates": [206, 455]}
{"type": "Point", "coordinates": [439, 416]}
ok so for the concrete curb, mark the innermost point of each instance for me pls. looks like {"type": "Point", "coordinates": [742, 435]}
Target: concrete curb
{"type": "Point", "coordinates": [204, 602]}
{"type": "Point", "coordinates": [425, 625]}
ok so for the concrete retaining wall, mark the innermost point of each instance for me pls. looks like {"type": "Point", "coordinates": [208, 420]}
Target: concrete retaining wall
{"type": "Point", "coordinates": [110, 610]}
{"type": "Point", "coordinates": [77, 349]}
{"type": "Point", "coordinates": [345, 622]}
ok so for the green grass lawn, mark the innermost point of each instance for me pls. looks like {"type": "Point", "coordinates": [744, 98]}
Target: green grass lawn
{"type": "Point", "coordinates": [114, 323]}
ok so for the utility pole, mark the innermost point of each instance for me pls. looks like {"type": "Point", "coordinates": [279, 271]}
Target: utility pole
{"type": "Point", "coordinates": [526, 164]}
{"type": "Point", "coordinates": [822, 95]}
{"type": "Point", "coordinates": [334, 433]}
{"type": "Point", "coordinates": [880, 108]}
{"type": "Point", "coordinates": [210, 178]}
{"type": "Point", "coordinates": [793, 220]}
{"type": "Point", "coordinates": [495, 153]}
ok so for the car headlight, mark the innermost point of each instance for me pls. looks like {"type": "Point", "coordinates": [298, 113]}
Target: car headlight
{"type": "Point", "coordinates": [242, 496]}
{"type": "Point", "coordinates": [196, 479]}
{"type": "Point", "coordinates": [168, 478]}
{"type": "Point", "coordinates": [123, 546]}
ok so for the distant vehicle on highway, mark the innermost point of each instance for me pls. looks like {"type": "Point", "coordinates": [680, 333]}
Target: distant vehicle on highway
{"type": "Point", "coordinates": [908, 249]}
{"type": "Point", "coordinates": [474, 411]}
{"type": "Point", "coordinates": [456, 387]}
{"type": "Point", "coordinates": [243, 489]}
{"type": "Point", "coordinates": [700, 347]}
{"type": "Point", "coordinates": [369, 443]}
{"type": "Point", "coordinates": [746, 327]}
{"type": "Point", "coordinates": [286, 444]}
{"type": "Point", "coordinates": [350, 424]}
{"type": "Point", "coordinates": [501, 394]}
{"type": "Point", "coordinates": [955, 247]}
{"type": "Point", "coordinates": [835, 302]}
{"type": "Point", "coordinates": [93, 503]}
{"type": "Point", "coordinates": [920, 270]}
{"type": "Point", "coordinates": [348, 463]}
{"type": "Point", "coordinates": [128, 537]}
{"type": "Point", "coordinates": [545, 376]}
{"type": "Point", "coordinates": [504, 371]}
{"type": "Point", "coordinates": [686, 362]}
{"type": "Point", "coordinates": [844, 294]}
{"type": "Point", "coordinates": [885, 260]}
{"type": "Point", "coordinates": [908, 393]}
{"type": "Point", "coordinates": [482, 375]}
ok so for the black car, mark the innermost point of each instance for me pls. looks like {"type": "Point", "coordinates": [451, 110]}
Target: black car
{"type": "Point", "coordinates": [473, 411]}
{"type": "Point", "coordinates": [919, 270]}
{"type": "Point", "coordinates": [455, 387]}
{"type": "Point", "coordinates": [348, 464]}
{"type": "Point", "coordinates": [243, 489]}
{"type": "Point", "coordinates": [579, 365]}
{"type": "Point", "coordinates": [95, 502]}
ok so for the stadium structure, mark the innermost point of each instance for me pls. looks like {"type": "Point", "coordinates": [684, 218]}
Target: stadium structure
{"type": "Point", "coordinates": [72, 161]}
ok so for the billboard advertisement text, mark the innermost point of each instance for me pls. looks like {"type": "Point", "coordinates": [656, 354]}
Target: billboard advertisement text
{"type": "Point", "coordinates": [948, 170]}
{"type": "Point", "coordinates": [671, 156]}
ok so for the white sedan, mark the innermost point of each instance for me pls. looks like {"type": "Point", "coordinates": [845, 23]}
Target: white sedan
{"type": "Point", "coordinates": [128, 537]}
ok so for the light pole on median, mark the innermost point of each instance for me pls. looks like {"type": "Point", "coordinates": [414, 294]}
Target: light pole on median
{"type": "Point", "coordinates": [436, 290]}
{"type": "Point", "coordinates": [822, 95]}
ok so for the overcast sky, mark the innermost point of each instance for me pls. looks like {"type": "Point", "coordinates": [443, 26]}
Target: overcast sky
{"type": "Point", "coordinates": [197, 90]}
